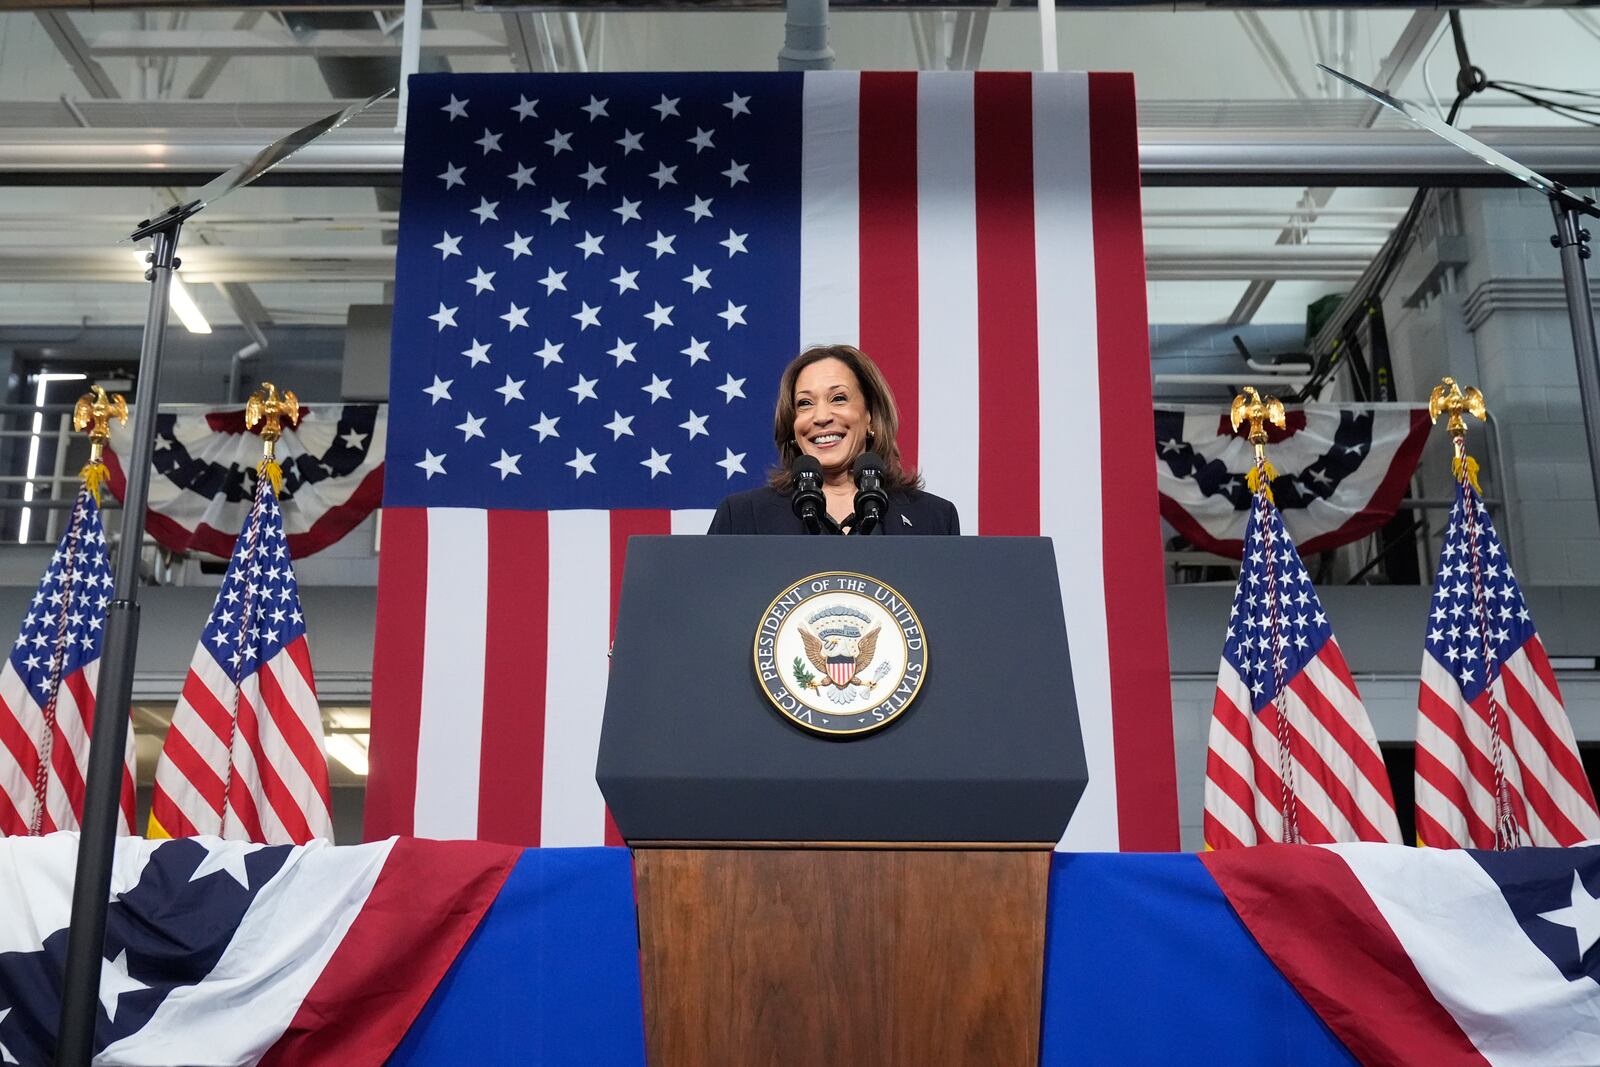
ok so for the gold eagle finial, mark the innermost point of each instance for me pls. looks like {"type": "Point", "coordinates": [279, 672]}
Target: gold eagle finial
{"type": "Point", "coordinates": [1250, 406]}
{"type": "Point", "coordinates": [269, 409]}
{"type": "Point", "coordinates": [93, 413]}
{"type": "Point", "coordinates": [1448, 398]}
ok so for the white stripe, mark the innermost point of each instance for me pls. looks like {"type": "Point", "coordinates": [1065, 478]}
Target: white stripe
{"type": "Point", "coordinates": [1454, 923]}
{"type": "Point", "coordinates": [1365, 795]}
{"type": "Point", "coordinates": [450, 733]}
{"type": "Point", "coordinates": [1477, 733]}
{"type": "Point", "coordinates": [1548, 707]}
{"type": "Point", "coordinates": [573, 811]}
{"type": "Point", "coordinates": [1442, 810]}
{"type": "Point", "coordinates": [1070, 493]}
{"type": "Point", "coordinates": [281, 947]}
{"type": "Point", "coordinates": [830, 212]}
{"type": "Point", "coordinates": [1231, 688]}
{"type": "Point", "coordinates": [1443, 748]}
{"type": "Point", "coordinates": [947, 292]}
{"type": "Point", "coordinates": [36, 876]}
{"type": "Point", "coordinates": [1226, 811]}
{"type": "Point", "coordinates": [692, 520]}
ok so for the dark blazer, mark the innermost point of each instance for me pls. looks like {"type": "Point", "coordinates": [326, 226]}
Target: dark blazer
{"type": "Point", "coordinates": [767, 511]}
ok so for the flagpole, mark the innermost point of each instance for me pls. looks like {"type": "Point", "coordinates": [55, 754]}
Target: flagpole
{"type": "Point", "coordinates": [97, 843]}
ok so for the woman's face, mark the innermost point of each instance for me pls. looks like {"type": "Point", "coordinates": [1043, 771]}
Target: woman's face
{"type": "Point", "coordinates": [830, 415]}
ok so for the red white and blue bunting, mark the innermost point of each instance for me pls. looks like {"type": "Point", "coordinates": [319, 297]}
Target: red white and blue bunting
{"type": "Point", "coordinates": [1342, 470]}
{"type": "Point", "coordinates": [204, 474]}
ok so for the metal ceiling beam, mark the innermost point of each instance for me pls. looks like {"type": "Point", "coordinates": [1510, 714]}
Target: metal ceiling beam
{"type": "Point", "coordinates": [1393, 69]}
{"type": "Point", "coordinates": [232, 265]}
{"type": "Point", "coordinates": [277, 42]}
{"type": "Point", "coordinates": [75, 50]}
{"type": "Point", "coordinates": [135, 157]}
{"type": "Point", "coordinates": [207, 77]}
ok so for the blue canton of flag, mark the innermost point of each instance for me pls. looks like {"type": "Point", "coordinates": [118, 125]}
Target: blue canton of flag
{"type": "Point", "coordinates": [47, 686]}
{"type": "Point", "coordinates": [1302, 627]}
{"type": "Point", "coordinates": [595, 290]}
{"type": "Point", "coordinates": [1458, 637]}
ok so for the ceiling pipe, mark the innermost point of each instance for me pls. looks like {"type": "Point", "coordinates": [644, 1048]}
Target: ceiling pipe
{"type": "Point", "coordinates": [805, 37]}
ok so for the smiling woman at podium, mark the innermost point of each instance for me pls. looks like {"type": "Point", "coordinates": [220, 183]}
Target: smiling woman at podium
{"type": "Point", "coordinates": [839, 467]}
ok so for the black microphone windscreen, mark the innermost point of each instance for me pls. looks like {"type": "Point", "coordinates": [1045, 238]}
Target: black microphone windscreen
{"type": "Point", "coordinates": [868, 461]}
{"type": "Point", "coordinates": [804, 464]}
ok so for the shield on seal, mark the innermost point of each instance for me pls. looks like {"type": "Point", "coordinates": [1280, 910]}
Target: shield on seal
{"type": "Point", "coordinates": [841, 669]}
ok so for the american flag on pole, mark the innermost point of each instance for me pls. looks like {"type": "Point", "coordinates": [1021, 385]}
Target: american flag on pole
{"type": "Point", "coordinates": [1496, 760]}
{"type": "Point", "coordinates": [244, 757]}
{"type": "Point", "coordinates": [1292, 755]}
{"type": "Point", "coordinates": [47, 687]}
{"type": "Point", "coordinates": [600, 278]}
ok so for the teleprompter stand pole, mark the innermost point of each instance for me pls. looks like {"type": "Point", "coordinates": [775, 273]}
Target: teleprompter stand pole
{"type": "Point", "coordinates": [91, 888]}
{"type": "Point", "coordinates": [1573, 241]}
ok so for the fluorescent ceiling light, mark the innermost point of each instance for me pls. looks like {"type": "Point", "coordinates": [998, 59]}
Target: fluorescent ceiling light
{"type": "Point", "coordinates": [24, 527]}
{"type": "Point", "coordinates": [349, 750]}
{"type": "Point", "coordinates": [182, 302]}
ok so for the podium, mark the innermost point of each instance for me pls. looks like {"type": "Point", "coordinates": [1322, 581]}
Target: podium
{"type": "Point", "coordinates": [841, 763]}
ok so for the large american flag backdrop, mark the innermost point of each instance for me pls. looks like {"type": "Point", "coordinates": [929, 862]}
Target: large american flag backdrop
{"type": "Point", "coordinates": [600, 278]}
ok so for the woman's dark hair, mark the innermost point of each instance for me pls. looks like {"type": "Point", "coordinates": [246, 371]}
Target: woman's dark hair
{"type": "Point", "coordinates": [875, 392]}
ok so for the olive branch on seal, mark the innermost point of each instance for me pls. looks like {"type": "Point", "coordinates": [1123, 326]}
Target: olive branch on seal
{"type": "Point", "coordinates": [803, 678]}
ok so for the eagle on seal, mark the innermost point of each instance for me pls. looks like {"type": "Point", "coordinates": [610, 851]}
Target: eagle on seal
{"type": "Point", "coordinates": [840, 660]}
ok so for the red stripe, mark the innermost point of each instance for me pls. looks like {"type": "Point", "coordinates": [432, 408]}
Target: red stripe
{"type": "Point", "coordinates": [1008, 319]}
{"type": "Point", "coordinates": [305, 748]}
{"type": "Point", "coordinates": [429, 898]}
{"type": "Point", "coordinates": [12, 824]}
{"type": "Point", "coordinates": [1361, 752]}
{"type": "Point", "coordinates": [1136, 617]}
{"type": "Point", "coordinates": [515, 655]}
{"type": "Point", "coordinates": [887, 192]}
{"type": "Point", "coordinates": [626, 524]}
{"type": "Point", "coordinates": [1444, 780]}
{"type": "Point", "coordinates": [397, 649]}
{"type": "Point", "coordinates": [203, 777]}
{"type": "Point", "coordinates": [1354, 972]}
{"type": "Point", "coordinates": [20, 745]}
{"type": "Point", "coordinates": [269, 783]}
{"type": "Point", "coordinates": [1563, 760]}
{"type": "Point", "coordinates": [164, 810]}
{"type": "Point", "coordinates": [1228, 781]}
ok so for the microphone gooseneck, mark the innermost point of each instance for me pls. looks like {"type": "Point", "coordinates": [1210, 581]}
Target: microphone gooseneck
{"type": "Point", "coordinates": [871, 498]}
{"type": "Point", "coordinates": [807, 499]}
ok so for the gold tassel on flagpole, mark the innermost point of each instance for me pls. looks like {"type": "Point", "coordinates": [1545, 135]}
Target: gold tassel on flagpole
{"type": "Point", "coordinates": [268, 408]}
{"type": "Point", "coordinates": [94, 412]}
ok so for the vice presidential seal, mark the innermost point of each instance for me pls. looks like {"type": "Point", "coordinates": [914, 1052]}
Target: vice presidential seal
{"type": "Point", "coordinates": [840, 653]}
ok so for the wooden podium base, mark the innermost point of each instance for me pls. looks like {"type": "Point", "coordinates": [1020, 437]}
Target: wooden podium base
{"type": "Point", "coordinates": [867, 955]}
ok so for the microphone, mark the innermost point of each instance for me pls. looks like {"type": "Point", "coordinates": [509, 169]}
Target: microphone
{"type": "Point", "coordinates": [807, 501]}
{"type": "Point", "coordinates": [871, 499]}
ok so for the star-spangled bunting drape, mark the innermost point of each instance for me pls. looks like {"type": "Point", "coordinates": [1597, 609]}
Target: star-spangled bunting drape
{"type": "Point", "coordinates": [1496, 759]}
{"type": "Point", "coordinates": [599, 280]}
{"type": "Point", "coordinates": [202, 478]}
{"type": "Point", "coordinates": [47, 687]}
{"type": "Point", "coordinates": [1292, 755]}
{"type": "Point", "coordinates": [244, 758]}
{"type": "Point", "coordinates": [1341, 472]}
